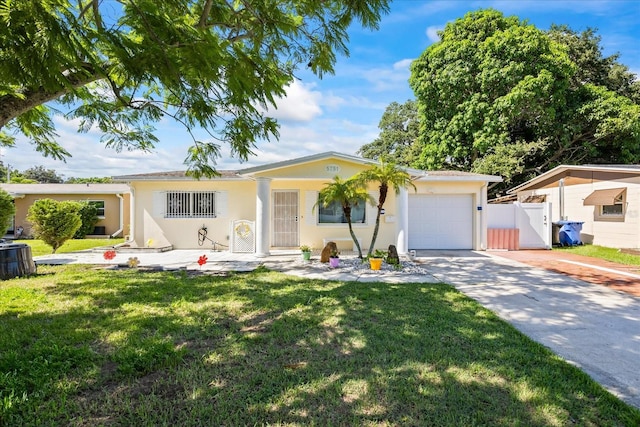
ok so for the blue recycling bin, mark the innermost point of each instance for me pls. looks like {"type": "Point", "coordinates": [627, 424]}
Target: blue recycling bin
{"type": "Point", "coordinates": [569, 233]}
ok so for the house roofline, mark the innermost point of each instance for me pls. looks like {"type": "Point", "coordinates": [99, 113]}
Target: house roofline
{"type": "Point", "coordinates": [306, 159]}
{"type": "Point", "coordinates": [563, 169]}
{"type": "Point", "coordinates": [21, 190]}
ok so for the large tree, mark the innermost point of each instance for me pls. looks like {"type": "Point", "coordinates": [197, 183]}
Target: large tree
{"type": "Point", "coordinates": [124, 65]}
{"type": "Point", "coordinates": [42, 176]}
{"type": "Point", "coordinates": [398, 139]}
{"type": "Point", "coordinates": [497, 95]}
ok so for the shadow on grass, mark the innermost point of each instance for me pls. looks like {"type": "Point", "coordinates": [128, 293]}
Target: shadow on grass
{"type": "Point", "coordinates": [95, 347]}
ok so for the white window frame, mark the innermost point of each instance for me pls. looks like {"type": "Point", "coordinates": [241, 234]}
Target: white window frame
{"type": "Point", "coordinates": [619, 201]}
{"type": "Point", "coordinates": [103, 208]}
{"type": "Point", "coordinates": [362, 206]}
{"type": "Point", "coordinates": [189, 204]}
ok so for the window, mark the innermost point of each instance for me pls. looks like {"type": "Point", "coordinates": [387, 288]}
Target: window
{"type": "Point", "coordinates": [614, 210]}
{"type": "Point", "coordinates": [99, 204]}
{"type": "Point", "coordinates": [333, 214]}
{"type": "Point", "coordinates": [190, 204]}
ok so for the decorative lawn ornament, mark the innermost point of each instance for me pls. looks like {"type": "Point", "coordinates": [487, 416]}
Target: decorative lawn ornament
{"type": "Point", "coordinates": [202, 260]}
{"type": "Point", "coordinates": [109, 255]}
{"type": "Point", "coordinates": [243, 230]}
{"type": "Point", "coordinates": [133, 262]}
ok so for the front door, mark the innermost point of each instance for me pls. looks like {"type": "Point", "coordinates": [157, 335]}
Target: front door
{"type": "Point", "coordinates": [285, 219]}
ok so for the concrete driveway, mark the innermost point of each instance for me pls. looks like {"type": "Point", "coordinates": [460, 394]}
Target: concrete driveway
{"type": "Point", "coordinates": [594, 327]}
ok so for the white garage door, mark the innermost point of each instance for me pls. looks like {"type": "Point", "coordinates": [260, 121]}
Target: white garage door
{"type": "Point", "coordinates": [442, 221]}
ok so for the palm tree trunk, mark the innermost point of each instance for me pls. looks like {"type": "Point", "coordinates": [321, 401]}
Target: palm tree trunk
{"type": "Point", "coordinates": [375, 231]}
{"type": "Point", "coordinates": [384, 189]}
{"type": "Point", "coordinates": [347, 214]}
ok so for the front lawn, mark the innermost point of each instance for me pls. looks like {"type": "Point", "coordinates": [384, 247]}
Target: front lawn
{"type": "Point", "coordinates": [608, 254]}
{"type": "Point", "coordinates": [38, 247]}
{"type": "Point", "coordinates": [91, 346]}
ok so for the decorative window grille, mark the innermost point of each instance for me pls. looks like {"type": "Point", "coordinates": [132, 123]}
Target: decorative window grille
{"type": "Point", "coordinates": [190, 204]}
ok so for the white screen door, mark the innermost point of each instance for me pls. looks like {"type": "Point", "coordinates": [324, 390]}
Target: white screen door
{"type": "Point", "coordinates": [285, 219]}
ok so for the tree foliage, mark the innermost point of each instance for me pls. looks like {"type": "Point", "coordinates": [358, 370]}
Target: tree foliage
{"type": "Point", "coordinates": [349, 193]}
{"type": "Point", "coordinates": [398, 139]}
{"type": "Point", "coordinates": [90, 180]}
{"type": "Point", "coordinates": [497, 95]}
{"type": "Point", "coordinates": [387, 175]}
{"type": "Point", "coordinates": [54, 222]}
{"type": "Point", "coordinates": [42, 176]}
{"type": "Point", "coordinates": [7, 210]}
{"type": "Point", "coordinates": [122, 66]}
{"type": "Point", "coordinates": [88, 219]}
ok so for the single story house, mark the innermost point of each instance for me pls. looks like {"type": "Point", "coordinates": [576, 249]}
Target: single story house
{"type": "Point", "coordinates": [274, 206]}
{"type": "Point", "coordinates": [112, 201]}
{"type": "Point", "coordinates": [605, 197]}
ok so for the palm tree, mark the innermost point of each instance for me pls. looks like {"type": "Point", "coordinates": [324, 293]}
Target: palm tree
{"type": "Point", "coordinates": [349, 193]}
{"type": "Point", "coordinates": [386, 175]}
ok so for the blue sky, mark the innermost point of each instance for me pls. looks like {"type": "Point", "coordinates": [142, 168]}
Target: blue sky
{"type": "Point", "coordinates": [341, 112]}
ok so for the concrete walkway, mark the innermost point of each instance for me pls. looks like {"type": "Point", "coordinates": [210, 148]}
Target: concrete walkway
{"type": "Point", "coordinates": [592, 326]}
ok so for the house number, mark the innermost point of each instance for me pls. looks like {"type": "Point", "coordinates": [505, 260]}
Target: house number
{"type": "Point", "coordinates": [332, 168]}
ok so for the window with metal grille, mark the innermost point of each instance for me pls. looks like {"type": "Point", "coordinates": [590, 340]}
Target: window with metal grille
{"type": "Point", "coordinates": [190, 204]}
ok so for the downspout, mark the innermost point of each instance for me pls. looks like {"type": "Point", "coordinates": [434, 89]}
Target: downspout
{"type": "Point", "coordinates": [119, 230]}
{"type": "Point", "coordinates": [132, 213]}
{"type": "Point", "coordinates": [561, 198]}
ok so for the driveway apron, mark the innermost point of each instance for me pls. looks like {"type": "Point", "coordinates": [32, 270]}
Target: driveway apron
{"type": "Point", "coordinates": [591, 326]}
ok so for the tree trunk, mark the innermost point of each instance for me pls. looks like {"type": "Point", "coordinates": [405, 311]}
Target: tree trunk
{"type": "Point", "coordinates": [347, 214]}
{"type": "Point", "coordinates": [12, 106]}
{"type": "Point", "coordinates": [384, 189]}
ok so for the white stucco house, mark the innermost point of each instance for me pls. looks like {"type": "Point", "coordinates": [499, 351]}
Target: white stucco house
{"type": "Point", "coordinates": [605, 197]}
{"type": "Point", "coordinates": [274, 206]}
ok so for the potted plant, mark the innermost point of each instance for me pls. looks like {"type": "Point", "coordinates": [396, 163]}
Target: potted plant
{"type": "Point", "coordinates": [334, 259]}
{"type": "Point", "coordinates": [306, 252]}
{"type": "Point", "coordinates": [375, 260]}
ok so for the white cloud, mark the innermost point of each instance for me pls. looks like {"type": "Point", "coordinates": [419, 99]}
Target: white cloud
{"type": "Point", "coordinates": [300, 104]}
{"type": "Point", "coordinates": [432, 33]}
{"type": "Point", "coordinates": [392, 78]}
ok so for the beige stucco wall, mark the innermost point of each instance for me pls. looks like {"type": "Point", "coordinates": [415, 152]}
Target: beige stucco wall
{"type": "Point", "coordinates": [306, 180]}
{"type": "Point", "coordinates": [610, 232]}
{"type": "Point", "coordinates": [182, 233]}
{"type": "Point", "coordinates": [312, 233]}
{"type": "Point", "coordinates": [111, 220]}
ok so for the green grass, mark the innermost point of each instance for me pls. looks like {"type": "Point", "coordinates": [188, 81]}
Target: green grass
{"type": "Point", "coordinates": [609, 254]}
{"type": "Point", "coordinates": [38, 247]}
{"type": "Point", "coordinates": [91, 346]}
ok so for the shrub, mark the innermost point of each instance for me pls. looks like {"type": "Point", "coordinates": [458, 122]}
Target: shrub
{"type": "Point", "coordinates": [54, 222]}
{"type": "Point", "coordinates": [89, 218]}
{"type": "Point", "coordinates": [7, 210]}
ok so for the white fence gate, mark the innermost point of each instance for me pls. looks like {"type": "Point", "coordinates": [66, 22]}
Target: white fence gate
{"type": "Point", "coordinates": [243, 236]}
{"type": "Point", "coordinates": [532, 220]}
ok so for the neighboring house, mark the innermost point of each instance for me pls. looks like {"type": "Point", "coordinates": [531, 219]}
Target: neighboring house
{"type": "Point", "coordinates": [275, 207]}
{"type": "Point", "coordinates": [605, 197]}
{"type": "Point", "coordinates": [112, 201]}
